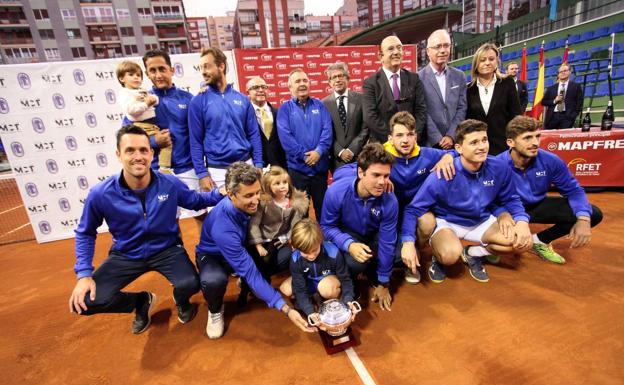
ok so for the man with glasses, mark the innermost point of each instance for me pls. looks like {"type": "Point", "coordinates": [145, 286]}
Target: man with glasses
{"type": "Point", "coordinates": [345, 108]}
{"type": "Point", "coordinates": [390, 90]}
{"type": "Point", "coordinates": [564, 101]}
{"type": "Point", "coordinates": [445, 92]}
{"type": "Point", "coordinates": [266, 114]}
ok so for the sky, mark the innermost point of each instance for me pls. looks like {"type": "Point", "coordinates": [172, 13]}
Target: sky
{"type": "Point", "coordinates": [220, 7]}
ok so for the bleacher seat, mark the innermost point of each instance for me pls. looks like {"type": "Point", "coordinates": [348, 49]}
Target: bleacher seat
{"type": "Point", "coordinates": [552, 71]}
{"type": "Point", "coordinates": [532, 75]}
{"type": "Point", "coordinates": [556, 61]}
{"type": "Point", "coordinates": [619, 47]}
{"type": "Point", "coordinates": [549, 82]}
{"type": "Point", "coordinates": [468, 78]}
{"type": "Point", "coordinates": [532, 83]}
{"type": "Point", "coordinates": [531, 94]}
{"type": "Point", "coordinates": [589, 91]}
{"type": "Point", "coordinates": [546, 62]}
{"type": "Point", "coordinates": [590, 78]}
{"type": "Point", "coordinates": [616, 28]}
{"type": "Point", "coordinates": [603, 76]}
{"type": "Point", "coordinates": [618, 59]}
{"type": "Point", "coordinates": [601, 32]}
{"type": "Point", "coordinates": [602, 90]}
{"type": "Point", "coordinates": [581, 55]}
{"type": "Point", "coordinates": [550, 45]}
{"type": "Point", "coordinates": [619, 88]}
{"type": "Point", "coordinates": [587, 36]}
{"type": "Point", "coordinates": [618, 73]}
{"type": "Point", "coordinates": [533, 65]}
{"type": "Point", "coordinates": [513, 55]}
{"type": "Point", "coordinates": [505, 56]}
{"type": "Point", "coordinates": [574, 39]}
{"type": "Point", "coordinates": [560, 43]}
{"type": "Point", "coordinates": [570, 57]}
{"type": "Point", "coordinates": [533, 50]}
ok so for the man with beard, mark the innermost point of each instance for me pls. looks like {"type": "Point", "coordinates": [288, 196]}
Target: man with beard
{"type": "Point", "coordinates": [467, 207]}
{"type": "Point", "coordinates": [221, 250]}
{"type": "Point", "coordinates": [534, 170]}
{"type": "Point", "coordinates": [390, 90]}
{"type": "Point", "coordinates": [523, 93]}
{"type": "Point", "coordinates": [272, 151]}
{"type": "Point", "coordinates": [223, 124]}
{"type": "Point", "coordinates": [360, 217]}
{"type": "Point", "coordinates": [305, 130]}
{"type": "Point", "coordinates": [139, 207]}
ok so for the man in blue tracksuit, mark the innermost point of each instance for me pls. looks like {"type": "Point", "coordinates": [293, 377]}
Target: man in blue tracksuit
{"type": "Point", "coordinates": [221, 249]}
{"type": "Point", "coordinates": [139, 207]}
{"type": "Point", "coordinates": [534, 170]}
{"type": "Point", "coordinates": [223, 124]}
{"type": "Point", "coordinates": [305, 131]}
{"type": "Point", "coordinates": [465, 207]}
{"type": "Point", "coordinates": [360, 218]}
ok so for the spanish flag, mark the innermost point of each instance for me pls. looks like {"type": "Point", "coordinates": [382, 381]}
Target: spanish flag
{"type": "Point", "coordinates": [537, 109]}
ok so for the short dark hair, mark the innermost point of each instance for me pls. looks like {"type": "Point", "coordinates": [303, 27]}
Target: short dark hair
{"type": "Point", "coordinates": [156, 53]}
{"type": "Point", "coordinates": [468, 126]}
{"type": "Point", "coordinates": [240, 172]}
{"type": "Point", "coordinates": [130, 129]}
{"type": "Point", "coordinates": [521, 124]}
{"type": "Point", "coordinates": [404, 118]}
{"type": "Point", "coordinates": [219, 56]}
{"type": "Point", "coordinates": [374, 153]}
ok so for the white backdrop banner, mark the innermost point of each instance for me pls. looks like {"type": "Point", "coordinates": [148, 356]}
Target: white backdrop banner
{"type": "Point", "coordinates": [58, 122]}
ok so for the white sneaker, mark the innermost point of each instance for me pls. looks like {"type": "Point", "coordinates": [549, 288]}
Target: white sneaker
{"type": "Point", "coordinates": [215, 325]}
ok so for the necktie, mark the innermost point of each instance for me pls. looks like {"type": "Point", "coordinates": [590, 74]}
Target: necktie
{"type": "Point", "coordinates": [267, 123]}
{"type": "Point", "coordinates": [395, 88]}
{"type": "Point", "coordinates": [342, 112]}
{"type": "Point", "coordinates": [561, 105]}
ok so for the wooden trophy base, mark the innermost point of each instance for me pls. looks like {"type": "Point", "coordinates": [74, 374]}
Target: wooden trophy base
{"type": "Point", "coordinates": [337, 344]}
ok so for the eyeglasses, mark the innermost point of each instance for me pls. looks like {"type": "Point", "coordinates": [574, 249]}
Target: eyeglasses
{"type": "Point", "coordinates": [258, 87]}
{"type": "Point", "coordinates": [392, 48]}
{"type": "Point", "coordinates": [564, 71]}
{"type": "Point", "coordinates": [440, 46]}
{"type": "Point", "coordinates": [338, 76]}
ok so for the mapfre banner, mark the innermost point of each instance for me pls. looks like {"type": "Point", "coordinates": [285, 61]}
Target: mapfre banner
{"type": "Point", "coordinates": [595, 158]}
{"type": "Point", "coordinates": [274, 65]}
{"type": "Point", "coordinates": [58, 122]}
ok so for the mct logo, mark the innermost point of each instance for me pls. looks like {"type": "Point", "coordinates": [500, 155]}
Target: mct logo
{"type": "Point", "coordinates": [105, 75]}
{"type": "Point", "coordinates": [79, 77]}
{"type": "Point", "coordinates": [10, 127]}
{"type": "Point", "coordinates": [111, 97]}
{"type": "Point", "coordinates": [30, 104]}
{"type": "Point", "coordinates": [83, 182]}
{"type": "Point", "coordinates": [58, 186]}
{"type": "Point", "coordinates": [77, 162]}
{"type": "Point", "coordinates": [24, 170]}
{"type": "Point", "coordinates": [24, 80]}
{"type": "Point", "coordinates": [114, 117]}
{"type": "Point", "coordinates": [178, 70]}
{"type": "Point", "coordinates": [85, 98]}
{"type": "Point", "coordinates": [70, 223]}
{"type": "Point", "coordinates": [44, 146]}
{"type": "Point", "coordinates": [267, 76]}
{"type": "Point", "coordinates": [59, 101]}
{"type": "Point", "coordinates": [488, 183]}
{"type": "Point", "coordinates": [52, 78]}
{"type": "Point", "coordinates": [71, 143]}
{"type": "Point", "coordinates": [44, 227]}
{"type": "Point", "coordinates": [64, 122]}
{"type": "Point", "coordinates": [64, 204]}
{"type": "Point", "coordinates": [38, 209]}
{"type": "Point", "coordinates": [90, 119]}
{"type": "Point", "coordinates": [355, 54]}
{"type": "Point", "coordinates": [102, 161]}
{"type": "Point", "coordinates": [31, 189]}
{"type": "Point", "coordinates": [4, 106]}
{"type": "Point", "coordinates": [37, 125]}
{"type": "Point", "coordinates": [52, 166]}
{"type": "Point", "coordinates": [17, 149]}
{"type": "Point", "coordinates": [367, 62]}
{"type": "Point", "coordinates": [96, 139]}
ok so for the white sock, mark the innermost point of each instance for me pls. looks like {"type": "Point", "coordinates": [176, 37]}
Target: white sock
{"type": "Point", "coordinates": [477, 251]}
{"type": "Point", "coordinates": [536, 239]}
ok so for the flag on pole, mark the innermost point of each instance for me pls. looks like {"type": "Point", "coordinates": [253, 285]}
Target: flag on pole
{"type": "Point", "coordinates": [537, 109]}
{"type": "Point", "coordinates": [523, 68]}
{"type": "Point", "coordinates": [566, 50]}
{"type": "Point", "coordinates": [552, 15]}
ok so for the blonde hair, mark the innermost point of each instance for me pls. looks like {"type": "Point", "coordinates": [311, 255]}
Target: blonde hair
{"type": "Point", "coordinates": [272, 175]}
{"type": "Point", "coordinates": [474, 71]}
{"type": "Point", "coordinates": [306, 235]}
{"type": "Point", "coordinates": [127, 66]}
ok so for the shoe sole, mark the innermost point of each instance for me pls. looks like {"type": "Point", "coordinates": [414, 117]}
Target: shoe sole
{"type": "Point", "coordinates": [149, 316]}
{"type": "Point", "coordinates": [412, 280]}
{"type": "Point", "coordinates": [179, 319]}
{"type": "Point", "coordinates": [463, 257]}
{"type": "Point", "coordinates": [435, 280]}
{"type": "Point", "coordinates": [550, 260]}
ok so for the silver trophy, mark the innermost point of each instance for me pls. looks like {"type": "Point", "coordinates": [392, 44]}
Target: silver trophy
{"type": "Point", "coordinates": [335, 316]}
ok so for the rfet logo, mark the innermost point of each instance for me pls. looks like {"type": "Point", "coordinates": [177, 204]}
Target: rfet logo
{"type": "Point", "coordinates": [24, 80]}
{"type": "Point", "coordinates": [44, 227]}
{"type": "Point", "coordinates": [355, 54]}
{"type": "Point", "coordinates": [4, 106]}
{"type": "Point", "coordinates": [327, 55]}
{"type": "Point", "coordinates": [37, 125]}
{"type": "Point", "coordinates": [102, 161]}
{"type": "Point", "coordinates": [79, 77]}
{"type": "Point", "coordinates": [83, 182]}
{"type": "Point", "coordinates": [581, 167]}
{"type": "Point", "coordinates": [59, 101]}
{"type": "Point", "coordinates": [31, 189]}
{"type": "Point", "coordinates": [90, 119]}
{"type": "Point", "coordinates": [297, 56]}
{"type": "Point", "coordinates": [17, 149]}
{"type": "Point", "coordinates": [280, 66]}
{"type": "Point", "coordinates": [71, 143]}
{"type": "Point", "coordinates": [311, 64]}
{"type": "Point", "coordinates": [367, 62]}
{"type": "Point", "coordinates": [110, 96]}
{"type": "Point", "coordinates": [268, 76]}
{"type": "Point", "coordinates": [266, 57]}
{"type": "Point", "coordinates": [356, 71]}
{"type": "Point", "coordinates": [249, 67]}
{"type": "Point", "coordinates": [52, 166]}
{"type": "Point", "coordinates": [178, 70]}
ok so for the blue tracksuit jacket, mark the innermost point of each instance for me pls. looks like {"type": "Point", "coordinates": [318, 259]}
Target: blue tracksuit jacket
{"type": "Point", "coordinates": [305, 129]}
{"type": "Point", "coordinates": [344, 209]}
{"type": "Point", "coordinates": [468, 199]}
{"type": "Point", "coordinates": [225, 233]}
{"type": "Point", "coordinates": [532, 183]}
{"type": "Point", "coordinates": [223, 129]}
{"type": "Point", "coordinates": [138, 232]}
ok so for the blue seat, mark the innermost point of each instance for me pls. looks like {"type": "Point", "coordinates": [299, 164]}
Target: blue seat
{"type": "Point", "coordinates": [589, 91]}
{"type": "Point", "coordinates": [560, 43]}
{"type": "Point", "coordinates": [531, 95]}
{"type": "Point", "coordinates": [550, 45]}
{"type": "Point", "coordinates": [505, 56]}
{"type": "Point", "coordinates": [603, 76]}
{"type": "Point", "coordinates": [556, 61]}
{"type": "Point", "coordinates": [513, 55]}
{"type": "Point", "coordinates": [618, 73]}
{"type": "Point", "coordinates": [581, 55]}
{"type": "Point", "coordinates": [602, 90]}
{"type": "Point", "coordinates": [601, 32]}
{"type": "Point", "coordinates": [547, 62]}
{"type": "Point", "coordinates": [469, 78]}
{"type": "Point", "coordinates": [549, 82]}
{"type": "Point", "coordinates": [619, 47]}
{"type": "Point", "coordinates": [533, 65]}
{"type": "Point", "coordinates": [571, 56]}
{"type": "Point", "coordinates": [587, 36]}
{"type": "Point", "coordinates": [618, 59]}
{"type": "Point", "coordinates": [552, 71]}
{"type": "Point", "coordinates": [616, 28]}
{"type": "Point", "coordinates": [619, 88]}
{"type": "Point", "coordinates": [532, 83]}
{"type": "Point", "coordinates": [574, 39]}
{"type": "Point", "coordinates": [591, 78]}
{"type": "Point", "coordinates": [532, 75]}
{"type": "Point", "coordinates": [532, 50]}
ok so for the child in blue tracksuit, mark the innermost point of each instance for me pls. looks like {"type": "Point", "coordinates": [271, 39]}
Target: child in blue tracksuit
{"type": "Point", "coordinates": [316, 267]}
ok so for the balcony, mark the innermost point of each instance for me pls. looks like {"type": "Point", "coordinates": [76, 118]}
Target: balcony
{"type": "Point", "coordinates": [104, 39]}
{"type": "Point", "coordinates": [168, 17]}
{"type": "Point", "coordinates": [18, 41]}
{"type": "Point", "coordinates": [13, 22]}
{"type": "Point", "coordinates": [10, 3]}
{"type": "Point", "coordinates": [107, 2]}
{"type": "Point", "coordinates": [90, 20]}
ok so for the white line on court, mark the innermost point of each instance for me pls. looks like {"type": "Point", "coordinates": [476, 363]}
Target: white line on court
{"type": "Point", "coordinates": [11, 209]}
{"type": "Point", "coordinates": [14, 230]}
{"type": "Point", "coordinates": [359, 367]}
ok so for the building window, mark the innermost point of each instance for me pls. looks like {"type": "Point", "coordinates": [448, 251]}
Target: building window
{"type": "Point", "coordinates": [131, 49]}
{"type": "Point", "coordinates": [149, 47]}
{"type": "Point", "coordinates": [68, 14]}
{"type": "Point", "coordinates": [144, 13]}
{"type": "Point", "coordinates": [52, 53]}
{"type": "Point", "coordinates": [194, 35]}
{"type": "Point", "coordinates": [41, 14]}
{"type": "Point", "coordinates": [122, 13]}
{"type": "Point", "coordinates": [78, 52]}
{"type": "Point", "coordinates": [73, 33]}
{"type": "Point", "coordinates": [127, 31]}
{"type": "Point", "coordinates": [46, 34]}
{"type": "Point", "coordinates": [149, 31]}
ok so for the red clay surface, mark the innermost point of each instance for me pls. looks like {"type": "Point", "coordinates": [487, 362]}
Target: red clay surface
{"type": "Point", "coordinates": [534, 323]}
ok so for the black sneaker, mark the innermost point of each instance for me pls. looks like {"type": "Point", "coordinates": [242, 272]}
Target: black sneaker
{"type": "Point", "coordinates": [142, 319]}
{"type": "Point", "coordinates": [186, 311]}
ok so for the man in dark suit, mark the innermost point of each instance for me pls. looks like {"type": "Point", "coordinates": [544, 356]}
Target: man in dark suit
{"type": "Point", "coordinates": [272, 151]}
{"type": "Point", "coordinates": [392, 89]}
{"type": "Point", "coordinates": [345, 108]}
{"type": "Point", "coordinates": [445, 92]}
{"type": "Point", "coordinates": [523, 93]}
{"type": "Point", "coordinates": [564, 101]}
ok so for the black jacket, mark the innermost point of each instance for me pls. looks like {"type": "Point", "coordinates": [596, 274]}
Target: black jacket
{"type": "Point", "coordinates": [573, 103]}
{"type": "Point", "coordinates": [272, 151]}
{"type": "Point", "coordinates": [523, 95]}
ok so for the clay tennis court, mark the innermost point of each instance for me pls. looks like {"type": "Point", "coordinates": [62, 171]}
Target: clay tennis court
{"type": "Point", "coordinates": [534, 323]}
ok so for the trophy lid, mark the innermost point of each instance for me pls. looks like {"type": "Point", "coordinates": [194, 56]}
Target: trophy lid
{"type": "Point", "coordinates": [334, 312]}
